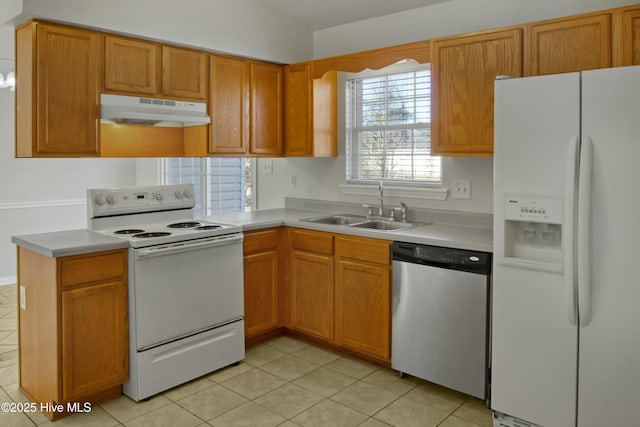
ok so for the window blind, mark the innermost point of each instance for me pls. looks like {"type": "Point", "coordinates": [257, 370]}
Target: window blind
{"type": "Point", "coordinates": [221, 185]}
{"type": "Point", "coordinates": [388, 129]}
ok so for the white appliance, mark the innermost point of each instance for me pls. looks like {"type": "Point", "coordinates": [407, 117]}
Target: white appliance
{"type": "Point", "coordinates": [123, 109]}
{"type": "Point", "coordinates": [186, 297]}
{"type": "Point", "coordinates": [566, 324]}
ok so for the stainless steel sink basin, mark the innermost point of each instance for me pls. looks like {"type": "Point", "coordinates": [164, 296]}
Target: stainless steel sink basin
{"type": "Point", "coordinates": [385, 225]}
{"type": "Point", "coordinates": [341, 219]}
{"type": "Point", "coordinates": [361, 221]}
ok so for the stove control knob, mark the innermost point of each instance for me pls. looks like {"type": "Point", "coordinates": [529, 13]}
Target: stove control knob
{"type": "Point", "coordinates": [112, 199]}
{"type": "Point", "coordinates": [159, 196]}
{"type": "Point", "coordinates": [188, 194]}
{"type": "Point", "coordinates": [99, 200]}
{"type": "Point", "coordinates": [179, 194]}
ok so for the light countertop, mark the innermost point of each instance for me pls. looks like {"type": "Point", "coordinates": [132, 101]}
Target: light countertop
{"type": "Point", "coordinates": [439, 233]}
{"type": "Point", "coordinates": [68, 242]}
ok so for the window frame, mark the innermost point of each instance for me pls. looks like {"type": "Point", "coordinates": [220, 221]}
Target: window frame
{"type": "Point", "coordinates": [352, 154]}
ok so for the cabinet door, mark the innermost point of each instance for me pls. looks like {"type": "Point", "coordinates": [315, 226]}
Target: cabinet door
{"type": "Point", "coordinates": [184, 73]}
{"type": "Point", "coordinates": [627, 46]}
{"type": "Point", "coordinates": [94, 339]}
{"type": "Point", "coordinates": [298, 118]}
{"type": "Point", "coordinates": [260, 292]}
{"type": "Point", "coordinates": [312, 293]}
{"type": "Point", "coordinates": [266, 109]}
{"type": "Point", "coordinates": [463, 72]}
{"type": "Point", "coordinates": [363, 308]}
{"type": "Point", "coordinates": [131, 66]}
{"type": "Point", "coordinates": [229, 105]}
{"type": "Point", "coordinates": [68, 85]}
{"type": "Point", "coordinates": [567, 45]}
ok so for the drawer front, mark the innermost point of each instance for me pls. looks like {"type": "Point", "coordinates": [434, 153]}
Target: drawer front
{"type": "Point", "coordinates": [79, 269]}
{"type": "Point", "coordinates": [312, 241]}
{"type": "Point", "coordinates": [375, 251]}
{"type": "Point", "coordinates": [260, 241]}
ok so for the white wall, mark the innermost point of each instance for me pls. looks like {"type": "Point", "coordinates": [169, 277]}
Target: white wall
{"type": "Point", "coordinates": [41, 195]}
{"type": "Point", "coordinates": [240, 27]}
{"type": "Point", "coordinates": [320, 178]}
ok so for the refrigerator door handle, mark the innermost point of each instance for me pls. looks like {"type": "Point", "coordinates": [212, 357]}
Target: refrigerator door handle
{"type": "Point", "coordinates": [571, 181]}
{"type": "Point", "coordinates": [583, 238]}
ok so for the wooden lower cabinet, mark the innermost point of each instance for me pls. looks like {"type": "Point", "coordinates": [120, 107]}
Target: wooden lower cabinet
{"type": "Point", "coordinates": [333, 288]}
{"type": "Point", "coordinates": [94, 356]}
{"type": "Point", "coordinates": [260, 282]}
{"type": "Point", "coordinates": [363, 301]}
{"type": "Point", "coordinates": [363, 296]}
{"type": "Point", "coordinates": [312, 294]}
{"type": "Point", "coordinates": [73, 327]}
{"type": "Point", "coordinates": [340, 291]}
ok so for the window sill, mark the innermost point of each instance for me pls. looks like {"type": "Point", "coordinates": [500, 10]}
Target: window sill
{"type": "Point", "coordinates": [397, 191]}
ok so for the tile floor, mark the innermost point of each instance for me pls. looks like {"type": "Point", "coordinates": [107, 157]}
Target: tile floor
{"type": "Point", "coordinates": [283, 382]}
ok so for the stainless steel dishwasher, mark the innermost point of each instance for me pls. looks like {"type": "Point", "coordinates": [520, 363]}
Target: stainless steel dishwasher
{"type": "Point", "coordinates": [440, 323]}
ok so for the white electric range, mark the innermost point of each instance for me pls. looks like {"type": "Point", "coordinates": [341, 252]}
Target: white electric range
{"type": "Point", "coordinates": [186, 300]}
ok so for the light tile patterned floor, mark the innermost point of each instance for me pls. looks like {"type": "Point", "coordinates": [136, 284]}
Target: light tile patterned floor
{"type": "Point", "coordinates": [283, 382]}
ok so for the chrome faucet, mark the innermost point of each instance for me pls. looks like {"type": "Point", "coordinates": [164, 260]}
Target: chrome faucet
{"type": "Point", "coordinates": [380, 194]}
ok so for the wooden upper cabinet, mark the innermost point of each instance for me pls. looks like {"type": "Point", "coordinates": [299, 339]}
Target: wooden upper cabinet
{"type": "Point", "coordinates": [144, 68]}
{"type": "Point", "coordinates": [59, 69]}
{"type": "Point", "coordinates": [298, 110]}
{"type": "Point", "coordinates": [569, 44]}
{"type": "Point", "coordinates": [310, 112]}
{"type": "Point", "coordinates": [184, 73]}
{"type": "Point", "coordinates": [266, 109]}
{"type": "Point", "coordinates": [463, 72]}
{"type": "Point", "coordinates": [229, 105]}
{"type": "Point", "coordinates": [246, 107]}
{"type": "Point", "coordinates": [131, 66]}
{"type": "Point", "coordinates": [626, 31]}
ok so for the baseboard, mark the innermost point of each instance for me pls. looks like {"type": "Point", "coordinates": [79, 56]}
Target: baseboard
{"type": "Point", "coordinates": [11, 280]}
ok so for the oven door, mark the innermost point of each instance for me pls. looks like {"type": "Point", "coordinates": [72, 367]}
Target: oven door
{"type": "Point", "coordinates": [182, 288]}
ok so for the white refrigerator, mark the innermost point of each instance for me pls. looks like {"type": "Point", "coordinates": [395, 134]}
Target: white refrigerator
{"type": "Point", "coordinates": [566, 277]}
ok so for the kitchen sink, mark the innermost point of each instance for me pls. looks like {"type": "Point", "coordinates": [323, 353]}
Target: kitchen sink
{"type": "Point", "coordinates": [386, 225]}
{"type": "Point", "coordinates": [341, 219]}
{"type": "Point", "coordinates": [361, 221]}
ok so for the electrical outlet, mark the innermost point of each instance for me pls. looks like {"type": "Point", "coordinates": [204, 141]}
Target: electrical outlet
{"type": "Point", "coordinates": [23, 297]}
{"type": "Point", "coordinates": [292, 181]}
{"type": "Point", "coordinates": [461, 189]}
{"type": "Point", "coordinates": [267, 166]}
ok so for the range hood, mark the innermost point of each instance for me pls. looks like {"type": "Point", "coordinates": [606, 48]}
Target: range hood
{"type": "Point", "coordinates": [122, 109]}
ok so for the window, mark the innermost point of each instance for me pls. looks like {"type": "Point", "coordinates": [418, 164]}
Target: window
{"type": "Point", "coordinates": [388, 128]}
{"type": "Point", "coordinates": [221, 185]}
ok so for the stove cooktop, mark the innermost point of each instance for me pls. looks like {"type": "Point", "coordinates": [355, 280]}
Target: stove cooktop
{"type": "Point", "coordinates": [142, 235]}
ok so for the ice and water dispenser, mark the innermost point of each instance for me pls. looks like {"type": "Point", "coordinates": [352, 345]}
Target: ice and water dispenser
{"type": "Point", "coordinates": [533, 232]}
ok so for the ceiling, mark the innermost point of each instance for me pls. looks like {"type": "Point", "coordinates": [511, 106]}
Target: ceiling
{"type": "Point", "coordinates": [319, 14]}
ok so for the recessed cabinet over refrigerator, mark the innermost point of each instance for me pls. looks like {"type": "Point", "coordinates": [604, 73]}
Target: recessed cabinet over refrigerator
{"type": "Point", "coordinates": [565, 282]}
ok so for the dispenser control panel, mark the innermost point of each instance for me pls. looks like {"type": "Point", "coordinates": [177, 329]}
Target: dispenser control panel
{"type": "Point", "coordinates": [534, 209]}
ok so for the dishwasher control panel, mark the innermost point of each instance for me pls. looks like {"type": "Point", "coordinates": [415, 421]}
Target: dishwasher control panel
{"type": "Point", "coordinates": [457, 259]}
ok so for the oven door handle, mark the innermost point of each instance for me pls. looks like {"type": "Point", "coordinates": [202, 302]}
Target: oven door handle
{"type": "Point", "coordinates": [175, 248]}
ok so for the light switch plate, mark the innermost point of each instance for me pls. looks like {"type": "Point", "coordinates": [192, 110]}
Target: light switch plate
{"type": "Point", "coordinates": [461, 189]}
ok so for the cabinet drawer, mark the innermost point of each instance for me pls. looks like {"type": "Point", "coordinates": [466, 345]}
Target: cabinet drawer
{"type": "Point", "coordinates": [75, 270]}
{"type": "Point", "coordinates": [312, 241]}
{"type": "Point", "coordinates": [260, 240]}
{"type": "Point", "coordinates": [363, 249]}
